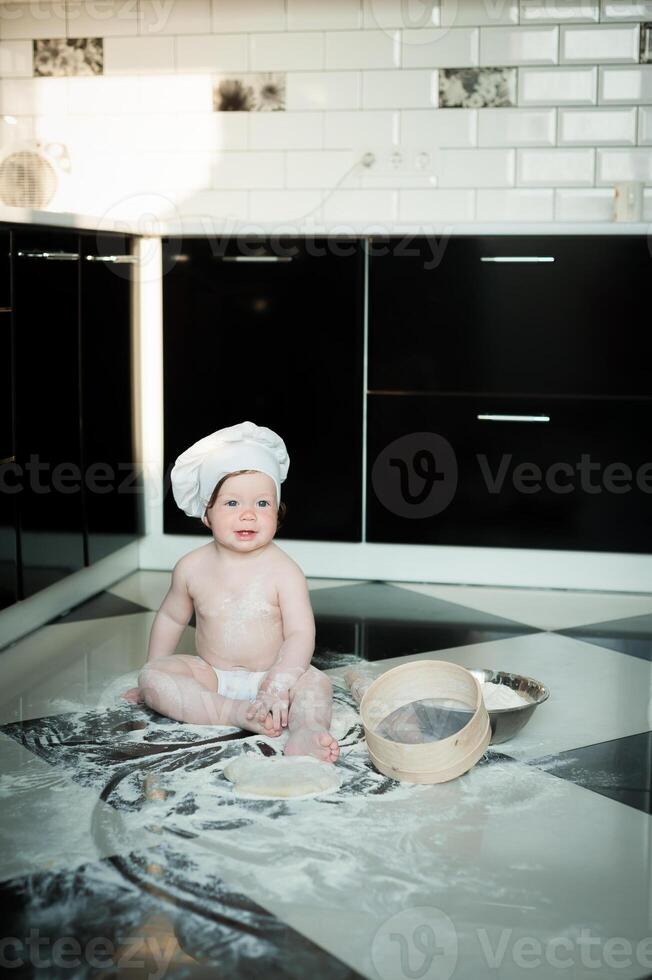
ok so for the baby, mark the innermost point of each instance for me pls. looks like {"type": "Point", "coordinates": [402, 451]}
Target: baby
{"type": "Point", "coordinates": [255, 627]}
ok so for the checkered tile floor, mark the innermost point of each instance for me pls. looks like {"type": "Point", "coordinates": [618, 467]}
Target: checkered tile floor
{"type": "Point", "coordinates": [116, 826]}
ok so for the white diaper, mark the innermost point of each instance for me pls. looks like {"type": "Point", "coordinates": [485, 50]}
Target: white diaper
{"type": "Point", "coordinates": [241, 685]}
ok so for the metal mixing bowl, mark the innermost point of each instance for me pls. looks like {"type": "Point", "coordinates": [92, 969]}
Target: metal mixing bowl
{"type": "Point", "coordinates": [506, 722]}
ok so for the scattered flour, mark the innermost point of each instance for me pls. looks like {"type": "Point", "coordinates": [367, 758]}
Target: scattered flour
{"type": "Point", "coordinates": [498, 696]}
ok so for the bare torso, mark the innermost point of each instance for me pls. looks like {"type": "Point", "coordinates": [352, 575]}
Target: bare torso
{"type": "Point", "coordinates": [239, 623]}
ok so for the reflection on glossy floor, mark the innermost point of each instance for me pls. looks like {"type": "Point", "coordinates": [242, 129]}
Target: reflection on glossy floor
{"type": "Point", "coordinates": [120, 833]}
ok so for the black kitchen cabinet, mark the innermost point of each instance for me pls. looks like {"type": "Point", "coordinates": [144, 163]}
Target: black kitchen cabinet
{"type": "Point", "coordinates": [515, 315]}
{"type": "Point", "coordinates": [112, 482]}
{"type": "Point", "coordinates": [67, 412]}
{"type": "Point", "coordinates": [439, 474]}
{"type": "Point", "coordinates": [545, 327]}
{"type": "Point", "coordinates": [271, 332]}
{"type": "Point", "coordinates": [47, 401]}
{"type": "Point", "coordinates": [8, 518]}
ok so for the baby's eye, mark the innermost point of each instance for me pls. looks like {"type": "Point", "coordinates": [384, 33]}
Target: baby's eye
{"type": "Point", "coordinates": [264, 502]}
{"type": "Point", "coordinates": [229, 502]}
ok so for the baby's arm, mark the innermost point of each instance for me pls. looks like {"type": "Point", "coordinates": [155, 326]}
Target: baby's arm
{"type": "Point", "coordinates": [296, 651]}
{"type": "Point", "coordinates": [169, 623]}
{"type": "Point", "coordinates": [173, 616]}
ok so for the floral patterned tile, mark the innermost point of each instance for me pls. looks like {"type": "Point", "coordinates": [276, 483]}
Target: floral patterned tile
{"type": "Point", "coordinates": [68, 56]}
{"type": "Point", "coordinates": [262, 92]}
{"type": "Point", "coordinates": [477, 88]}
{"type": "Point", "coordinates": [646, 43]}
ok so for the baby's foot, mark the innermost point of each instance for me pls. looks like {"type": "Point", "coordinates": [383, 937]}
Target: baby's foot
{"type": "Point", "coordinates": [313, 741]}
{"type": "Point", "coordinates": [133, 694]}
{"type": "Point", "coordinates": [237, 715]}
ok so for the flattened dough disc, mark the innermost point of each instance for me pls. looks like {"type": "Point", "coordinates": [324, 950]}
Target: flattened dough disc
{"type": "Point", "coordinates": [281, 777]}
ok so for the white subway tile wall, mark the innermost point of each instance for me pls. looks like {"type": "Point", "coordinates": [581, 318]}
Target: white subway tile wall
{"type": "Point", "coordinates": [286, 51]}
{"type": "Point", "coordinates": [519, 45]}
{"type": "Point", "coordinates": [138, 55]}
{"type": "Point", "coordinates": [361, 81]}
{"type": "Point", "coordinates": [517, 127]}
{"type": "Point", "coordinates": [515, 205]}
{"type": "Point", "coordinates": [15, 59]}
{"type": "Point", "coordinates": [189, 17]}
{"type": "Point", "coordinates": [439, 127]}
{"type": "Point", "coordinates": [212, 53]}
{"type": "Point", "coordinates": [626, 85]}
{"type": "Point", "coordinates": [595, 127]}
{"type": "Point", "coordinates": [442, 48]}
{"type": "Point", "coordinates": [363, 49]}
{"type": "Point", "coordinates": [435, 206]}
{"type": "Point", "coordinates": [558, 86]}
{"type": "Point", "coordinates": [111, 18]}
{"type": "Point", "coordinates": [562, 11]}
{"type": "Point", "coordinates": [556, 167]}
{"type": "Point", "coordinates": [645, 126]}
{"type": "Point", "coordinates": [411, 89]}
{"type": "Point", "coordinates": [599, 44]}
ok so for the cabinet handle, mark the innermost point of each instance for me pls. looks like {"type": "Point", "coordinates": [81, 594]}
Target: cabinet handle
{"type": "Point", "coordinates": [257, 258]}
{"type": "Point", "coordinates": [517, 258]}
{"type": "Point", "coordinates": [116, 259]}
{"type": "Point", "coordinates": [50, 256]}
{"type": "Point", "coordinates": [513, 418]}
{"type": "Point", "coordinates": [8, 459]}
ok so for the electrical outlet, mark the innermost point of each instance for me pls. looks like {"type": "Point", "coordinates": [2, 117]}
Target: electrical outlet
{"type": "Point", "coordinates": [400, 164]}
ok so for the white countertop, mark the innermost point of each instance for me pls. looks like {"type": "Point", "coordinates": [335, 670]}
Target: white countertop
{"type": "Point", "coordinates": [218, 226]}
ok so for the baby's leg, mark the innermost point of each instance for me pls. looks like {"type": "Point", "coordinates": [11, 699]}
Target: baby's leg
{"type": "Point", "coordinates": [185, 688]}
{"type": "Point", "coordinates": [309, 717]}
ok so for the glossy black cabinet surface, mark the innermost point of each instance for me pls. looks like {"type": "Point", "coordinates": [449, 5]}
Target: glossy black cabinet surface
{"type": "Point", "coordinates": [515, 315]}
{"type": "Point", "coordinates": [67, 406]}
{"type": "Point", "coordinates": [8, 517]}
{"type": "Point", "coordinates": [47, 400]}
{"type": "Point", "coordinates": [582, 480]}
{"type": "Point", "coordinates": [271, 332]}
{"type": "Point", "coordinates": [112, 485]}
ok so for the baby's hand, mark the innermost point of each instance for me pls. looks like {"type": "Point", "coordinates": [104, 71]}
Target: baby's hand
{"type": "Point", "coordinates": [275, 705]}
{"type": "Point", "coordinates": [133, 694]}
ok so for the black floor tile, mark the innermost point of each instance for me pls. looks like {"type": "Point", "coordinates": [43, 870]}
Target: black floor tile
{"type": "Point", "coordinates": [632, 636]}
{"type": "Point", "coordinates": [122, 911]}
{"type": "Point", "coordinates": [378, 601]}
{"type": "Point", "coordinates": [101, 606]}
{"type": "Point", "coordinates": [375, 621]}
{"type": "Point", "coordinates": [620, 769]}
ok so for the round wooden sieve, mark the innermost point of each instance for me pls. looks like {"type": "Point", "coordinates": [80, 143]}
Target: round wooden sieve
{"type": "Point", "coordinates": [425, 762]}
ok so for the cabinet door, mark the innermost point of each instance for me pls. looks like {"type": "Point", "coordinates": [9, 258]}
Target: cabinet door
{"type": "Point", "coordinates": [522, 315]}
{"type": "Point", "coordinates": [271, 332]}
{"type": "Point", "coordinates": [112, 485]}
{"type": "Point", "coordinates": [581, 481]}
{"type": "Point", "coordinates": [8, 481]}
{"type": "Point", "coordinates": [46, 311]}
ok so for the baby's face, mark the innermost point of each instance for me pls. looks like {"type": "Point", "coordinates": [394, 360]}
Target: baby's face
{"type": "Point", "coordinates": [244, 515]}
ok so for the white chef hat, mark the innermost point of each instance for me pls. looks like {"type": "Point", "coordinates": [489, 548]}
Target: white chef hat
{"type": "Point", "coordinates": [245, 446]}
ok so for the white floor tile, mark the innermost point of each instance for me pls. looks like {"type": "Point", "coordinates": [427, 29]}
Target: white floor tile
{"type": "Point", "coordinates": [58, 668]}
{"type": "Point", "coordinates": [37, 802]}
{"type": "Point", "coordinates": [501, 853]}
{"type": "Point", "coordinates": [596, 694]}
{"type": "Point", "coordinates": [146, 588]}
{"type": "Point", "coordinates": [544, 610]}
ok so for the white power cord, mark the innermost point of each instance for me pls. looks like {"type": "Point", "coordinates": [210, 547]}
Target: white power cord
{"type": "Point", "coordinates": [366, 161]}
